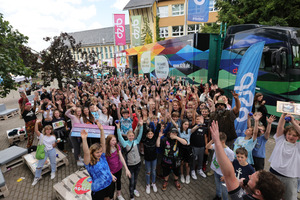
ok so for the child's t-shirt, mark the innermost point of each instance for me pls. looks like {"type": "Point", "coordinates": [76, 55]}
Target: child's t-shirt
{"type": "Point", "coordinates": [185, 135]}
{"type": "Point", "coordinates": [260, 147]}
{"type": "Point", "coordinates": [248, 145]}
{"type": "Point", "coordinates": [242, 171]}
{"type": "Point", "coordinates": [126, 125]}
{"type": "Point", "coordinates": [215, 165]}
{"type": "Point", "coordinates": [198, 137]}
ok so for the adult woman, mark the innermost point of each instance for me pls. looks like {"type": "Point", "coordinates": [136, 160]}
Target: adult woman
{"type": "Point", "coordinates": [259, 106]}
{"type": "Point", "coordinates": [75, 118]}
{"type": "Point", "coordinates": [49, 141]}
{"type": "Point", "coordinates": [285, 157]}
{"type": "Point", "coordinates": [97, 166]}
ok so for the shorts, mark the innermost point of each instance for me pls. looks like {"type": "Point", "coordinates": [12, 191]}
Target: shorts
{"type": "Point", "coordinates": [101, 194]}
{"type": "Point", "coordinates": [186, 153]}
{"type": "Point", "coordinates": [167, 168]}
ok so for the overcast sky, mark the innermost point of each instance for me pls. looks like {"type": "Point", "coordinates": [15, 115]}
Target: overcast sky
{"type": "Point", "coordinates": [40, 18]}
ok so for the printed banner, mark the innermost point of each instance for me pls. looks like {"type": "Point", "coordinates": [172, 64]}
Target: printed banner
{"type": "Point", "coordinates": [146, 61]}
{"type": "Point", "coordinates": [245, 84]}
{"type": "Point", "coordinates": [92, 130]}
{"type": "Point", "coordinates": [121, 61]}
{"type": "Point", "coordinates": [136, 30]}
{"type": "Point", "coordinates": [161, 67]}
{"type": "Point", "coordinates": [198, 10]}
{"type": "Point", "coordinates": [120, 36]}
{"type": "Point", "coordinates": [83, 185]}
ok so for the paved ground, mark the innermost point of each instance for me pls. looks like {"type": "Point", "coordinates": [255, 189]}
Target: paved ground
{"type": "Point", "coordinates": [201, 189]}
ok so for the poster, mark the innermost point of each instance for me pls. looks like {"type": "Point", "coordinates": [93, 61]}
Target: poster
{"type": "Point", "coordinates": [92, 130]}
{"type": "Point", "coordinates": [136, 30]}
{"type": "Point", "coordinates": [120, 36]}
{"type": "Point", "coordinates": [198, 10]}
{"type": "Point", "coordinates": [146, 61]}
{"type": "Point", "coordinates": [287, 107]}
{"type": "Point", "coordinates": [161, 67]}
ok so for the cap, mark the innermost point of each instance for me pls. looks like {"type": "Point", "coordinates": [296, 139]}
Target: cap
{"type": "Point", "coordinates": [27, 104]}
{"type": "Point", "coordinates": [219, 102]}
{"type": "Point", "coordinates": [174, 130]}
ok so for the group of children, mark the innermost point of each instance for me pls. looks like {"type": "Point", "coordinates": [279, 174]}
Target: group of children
{"type": "Point", "coordinates": [162, 123]}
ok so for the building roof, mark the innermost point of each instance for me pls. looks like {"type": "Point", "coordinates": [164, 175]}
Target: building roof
{"type": "Point", "coordinates": [95, 37]}
{"type": "Point", "coordinates": [136, 4]}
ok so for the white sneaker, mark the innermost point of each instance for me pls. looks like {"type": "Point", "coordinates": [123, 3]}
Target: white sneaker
{"type": "Point", "coordinates": [120, 197]}
{"type": "Point", "coordinates": [182, 179]}
{"type": "Point", "coordinates": [72, 150]}
{"type": "Point", "coordinates": [35, 181]}
{"type": "Point", "coordinates": [136, 193]}
{"type": "Point", "coordinates": [201, 173]}
{"type": "Point", "coordinates": [80, 163]}
{"type": "Point", "coordinates": [193, 174]}
{"type": "Point", "coordinates": [148, 189]}
{"type": "Point", "coordinates": [154, 187]}
{"type": "Point", "coordinates": [52, 175]}
{"type": "Point", "coordinates": [188, 179]}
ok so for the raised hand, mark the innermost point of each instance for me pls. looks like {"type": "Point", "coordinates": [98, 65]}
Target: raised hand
{"type": "Point", "coordinates": [271, 119]}
{"type": "Point", "coordinates": [83, 134]}
{"type": "Point", "coordinates": [234, 94]}
{"type": "Point", "coordinates": [257, 116]}
{"type": "Point", "coordinates": [214, 129]}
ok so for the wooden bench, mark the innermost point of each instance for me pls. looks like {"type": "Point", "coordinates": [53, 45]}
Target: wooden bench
{"type": "Point", "coordinates": [7, 113]}
{"type": "Point", "coordinates": [18, 137]}
{"type": "Point", "coordinates": [32, 162]}
{"type": "Point", "coordinates": [3, 188]}
{"type": "Point", "coordinates": [11, 157]}
{"type": "Point", "coordinates": [70, 189]}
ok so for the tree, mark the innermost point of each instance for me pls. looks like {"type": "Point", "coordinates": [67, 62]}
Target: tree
{"type": "Point", "coordinates": [267, 12]}
{"type": "Point", "coordinates": [146, 30]}
{"type": "Point", "coordinates": [11, 62]}
{"type": "Point", "coordinates": [58, 60]}
{"type": "Point", "coordinates": [210, 28]}
{"type": "Point", "coordinates": [30, 59]}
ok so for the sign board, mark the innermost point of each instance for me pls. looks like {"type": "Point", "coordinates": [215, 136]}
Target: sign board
{"type": "Point", "coordinates": [92, 130]}
{"type": "Point", "coordinates": [287, 107]}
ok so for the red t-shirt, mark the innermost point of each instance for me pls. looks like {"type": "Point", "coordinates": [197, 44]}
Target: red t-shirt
{"type": "Point", "coordinates": [21, 101]}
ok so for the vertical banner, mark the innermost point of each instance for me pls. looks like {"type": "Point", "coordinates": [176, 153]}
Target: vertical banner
{"type": "Point", "coordinates": [136, 30]}
{"type": "Point", "coordinates": [198, 10]}
{"type": "Point", "coordinates": [245, 84]}
{"type": "Point", "coordinates": [121, 61]}
{"type": "Point", "coordinates": [120, 36]}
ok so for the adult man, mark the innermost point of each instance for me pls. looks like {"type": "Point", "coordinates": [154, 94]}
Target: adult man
{"type": "Point", "coordinates": [226, 118]}
{"type": "Point", "coordinates": [127, 70]}
{"type": "Point", "coordinates": [261, 185]}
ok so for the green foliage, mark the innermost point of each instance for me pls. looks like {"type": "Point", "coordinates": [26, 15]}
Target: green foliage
{"type": "Point", "coordinates": [210, 28]}
{"type": "Point", "coordinates": [58, 61]}
{"type": "Point", "coordinates": [146, 30]}
{"type": "Point", "coordinates": [158, 38]}
{"type": "Point", "coordinates": [268, 12]}
{"type": "Point", "coordinates": [10, 60]}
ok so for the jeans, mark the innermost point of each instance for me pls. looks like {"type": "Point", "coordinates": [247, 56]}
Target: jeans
{"type": "Point", "coordinates": [52, 156]}
{"type": "Point", "coordinates": [76, 145]}
{"type": "Point", "coordinates": [221, 189]}
{"type": "Point", "coordinates": [134, 170]}
{"type": "Point", "coordinates": [198, 155]}
{"type": "Point", "coordinates": [150, 170]}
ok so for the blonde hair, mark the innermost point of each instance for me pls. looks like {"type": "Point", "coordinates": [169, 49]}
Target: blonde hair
{"type": "Point", "coordinates": [47, 127]}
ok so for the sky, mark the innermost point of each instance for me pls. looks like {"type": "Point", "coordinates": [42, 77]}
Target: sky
{"type": "Point", "coordinates": [42, 18]}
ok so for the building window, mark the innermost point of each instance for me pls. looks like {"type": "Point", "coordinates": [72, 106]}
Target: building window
{"type": "Point", "coordinates": [177, 31]}
{"type": "Point", "coordinates": [163, 32]}
{"type": "Point", "coordinates": [106, 52]}
{"type": "Point", "coordinates": [125, 47]}
{"type": "Point", "coordinates": [212, 4]}
{"type": "Point", "coordinates": [162, 11]}
{"type": "Point", "coordinates": [111, 52]}
{"type": "Point", "coordinates": [194, 28]}
{"type": "Point", "coordinates": [102, 52]}
{"type": "Point", "coordinates": [177, 9]}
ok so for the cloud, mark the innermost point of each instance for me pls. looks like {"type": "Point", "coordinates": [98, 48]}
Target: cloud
{"type": "Point", "coordinates": [37, 19]}
{"type": "Point", "coordinates": [120, 4]}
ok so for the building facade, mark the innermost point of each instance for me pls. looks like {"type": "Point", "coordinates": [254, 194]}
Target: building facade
{"type": "Point", "coordinates": [100, 41]}
{"type": "Point", "coordinates": [172, 15]}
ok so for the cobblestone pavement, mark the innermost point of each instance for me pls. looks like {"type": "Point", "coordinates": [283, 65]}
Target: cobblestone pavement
{"type": "Point", "coordinates": [201, 189]}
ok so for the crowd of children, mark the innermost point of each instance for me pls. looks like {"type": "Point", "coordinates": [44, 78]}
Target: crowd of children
{"type": "Point", "coordinates": [164, 123]}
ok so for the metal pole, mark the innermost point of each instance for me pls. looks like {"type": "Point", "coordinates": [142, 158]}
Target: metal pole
{"type": "Point", "coordinates": [185, 18]}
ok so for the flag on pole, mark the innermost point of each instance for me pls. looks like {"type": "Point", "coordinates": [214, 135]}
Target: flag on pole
{"type": "Point", "coordinates": [120, 36]}
{"type": "Point", "coordinates": [198, 10]}
{"type": "Point", "coordinates": [245, 84]}
{"type": "Point", "coordinates": [136, 30]}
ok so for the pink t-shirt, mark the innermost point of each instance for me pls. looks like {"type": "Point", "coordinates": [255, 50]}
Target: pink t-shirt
{"type": "Point", "coordinates": [114, 162]}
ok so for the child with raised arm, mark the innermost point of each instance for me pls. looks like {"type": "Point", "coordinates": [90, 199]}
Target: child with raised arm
{"type": "Point", "coordinates": [285, 157]}
{"type": "Point", "coordinates": [97, 166]}
{"type": "Point", "coordinates": [132, 156]}
{"type": "Point", "coordinates": [49, 140]}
